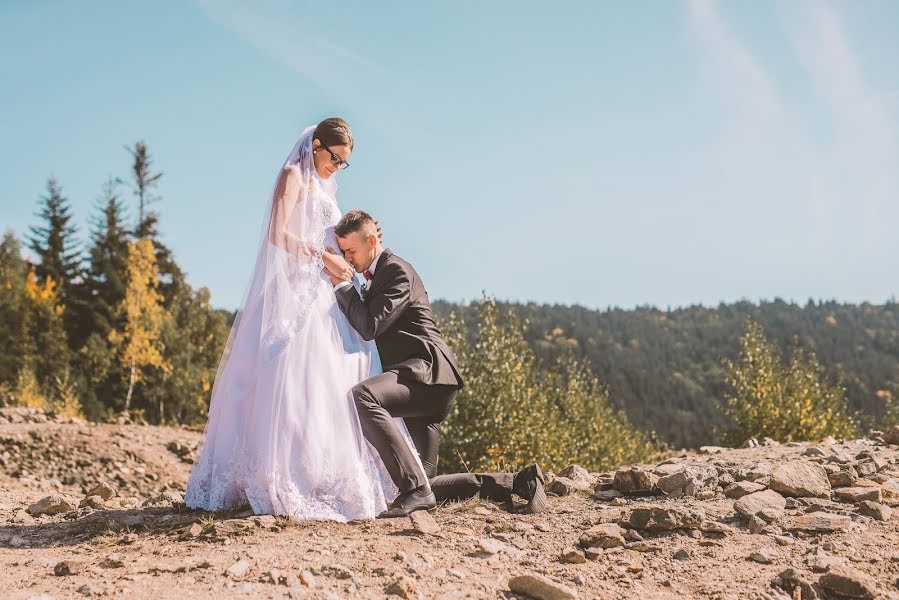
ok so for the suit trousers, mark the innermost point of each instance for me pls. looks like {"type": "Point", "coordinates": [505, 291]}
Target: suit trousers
{"type": "Point", "coordinates": [380, 399]}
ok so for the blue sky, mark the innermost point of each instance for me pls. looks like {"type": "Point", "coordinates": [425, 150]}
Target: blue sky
{"type": "Point", "coordinates": [599, 153]}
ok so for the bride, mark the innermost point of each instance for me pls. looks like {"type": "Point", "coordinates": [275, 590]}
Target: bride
{"type": "Point", "coordinates": [283, 435]}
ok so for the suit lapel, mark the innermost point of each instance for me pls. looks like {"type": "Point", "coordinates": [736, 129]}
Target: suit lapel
{"type": "Point", "coordinates": [377, 280]}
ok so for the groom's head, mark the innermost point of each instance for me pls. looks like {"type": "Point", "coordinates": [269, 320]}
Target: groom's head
{"type": "Point", "coordinates": [357, 236]}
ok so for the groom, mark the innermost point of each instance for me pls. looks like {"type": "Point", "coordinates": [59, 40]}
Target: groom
{"type": "Point", "coordinates": [420, 379]}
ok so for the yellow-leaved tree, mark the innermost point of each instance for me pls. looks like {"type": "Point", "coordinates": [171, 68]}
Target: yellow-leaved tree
{"type": "Point", "coordinates": [787, 402]}
{"type": "Point", "coordinates": [138, 345]}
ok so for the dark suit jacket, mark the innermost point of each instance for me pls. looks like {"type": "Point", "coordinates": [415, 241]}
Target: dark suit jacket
{"type": "Point", "coordinates": [397, 315]}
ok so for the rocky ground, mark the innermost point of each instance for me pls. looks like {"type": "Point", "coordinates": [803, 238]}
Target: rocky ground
{"type": "Point", "coordinates": [95, 510]}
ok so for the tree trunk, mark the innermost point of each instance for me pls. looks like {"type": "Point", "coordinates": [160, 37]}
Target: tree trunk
{"type": "Point", "coordinates": [130, 386]}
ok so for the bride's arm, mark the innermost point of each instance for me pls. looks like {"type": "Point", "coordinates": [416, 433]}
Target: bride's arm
{"type": "Point", "coordinates": [287, 196]}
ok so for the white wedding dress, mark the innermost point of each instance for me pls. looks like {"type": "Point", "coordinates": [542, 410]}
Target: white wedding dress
{"type": "Point", "coordinates": [283, 435]}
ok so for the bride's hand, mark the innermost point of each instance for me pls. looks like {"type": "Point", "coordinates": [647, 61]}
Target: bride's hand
{"type": "Point", "coordinates": [336, 266]}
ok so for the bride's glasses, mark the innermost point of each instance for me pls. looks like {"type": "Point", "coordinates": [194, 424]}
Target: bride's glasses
{"type": "Point", "coordinates": [336, 160]}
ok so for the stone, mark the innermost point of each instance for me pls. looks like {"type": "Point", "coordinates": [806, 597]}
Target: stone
{"type": "Point", "coordinates": [783, 540]}
{"type": "Point", "coordinates": [604, 535]}
{"type": "Point", "coordinates": [68, 567]}
{"type": "Point", "coordinates": [634, 480]}
{"type": "Point", "coordinates": [756, 524]}
{"type": "Point", "coordinates": [53, 504]}
{"type": "Point", "coordinates": [892, 435]}
{"type": "Point", "coordinates": [689, 481]}
{"type": "Point", "coordinates": [764, 555]}
{"type": "Point", "coordinates": [814, 451]}
{"type": "Point", "coordinates": [307, 579]}
{"type": "Point", "coordinates": [573, 556]}
{"type": "Point", "coordinates": [594, 553]}
{"type": "Point", "coordinates": [116, 560]}
{"type": "Point", "coordinates": [801, 479]}
{"type": "Point", "coordinates": [843, 477]}
{"type": "Point", "coordinates": [682, 554]}
{"type": "Point", "coordinates": [606, 495]}
{"type": "Point", "coordinates": [103, 489]}
{"type": "Point", "coordinates": [238, 569]}
{"type": "Point", "coordinates": [820, 561]}
{"type": "Point", "coordinates": [711, 449]}
{"type": "Point", "coordinates": [637, 547]}
{"type": "Point", "coordinates": [791, 580]}
{"type": "Point", "coordinates": [770, 514]}
{"type": "Point", "coordinates": [866, 468]}
{"type": "Point", "coordinates": [492, 546]}
{"type": "Point", "coordinates": [95, 502]}
{"type": "Point", "coordinates": [715, 528]}
{"type": "Point", "coordinates": [822, 522]}
{"type": "Point", "coordinates": [753, 504]}
{"type": "Point", "coordinates": [22, 517]}
{"type": "Point", "coordinates": [666, 519]}
{"type": "Point", "coordinates": [540, 587]}
{"type": "Point", "coordinates": [424, 522]}
{"type": "Point", "coordinates": [739, 489]}
{"type": "Point", "coordinates": [166, 499]}
{"type": "Point", "coordinates": [848, 582]}
{"type": "Point", "coordinates": [337, 571]}
{"type": "Point", "coordinates": [875, 510]}
{"type": "Point", "coordinates": [856, 494]}
{"type": "Point", "coordinates": [264, 521]}
{"type": "Point", "coordinates": [576, 473]}
{"type": "Point", "coordinates": [404, 587]}
{"type": "Point", "coordinates": [562, 486]}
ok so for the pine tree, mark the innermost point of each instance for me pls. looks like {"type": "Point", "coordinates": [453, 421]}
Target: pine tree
{"type": "Point", "coordinates": [13, 273]}
{"type": "Point", "coordinates": [138, 343]}
{"type": "Point", "coordinates": [144, 183]}
{"type": "Point", "coordinates": [108, 254]}
{"type": "Point", "coordinates": [54, 243]}
{"type": "Point", "coordinates": [59, 256]}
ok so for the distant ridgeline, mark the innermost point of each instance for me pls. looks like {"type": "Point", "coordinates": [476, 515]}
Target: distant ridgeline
{"type": "Point", "coordinates": [665, 368]}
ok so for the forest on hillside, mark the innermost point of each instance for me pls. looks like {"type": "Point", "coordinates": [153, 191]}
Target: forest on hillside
{"type": "Point", "coordinates": [665, 368]}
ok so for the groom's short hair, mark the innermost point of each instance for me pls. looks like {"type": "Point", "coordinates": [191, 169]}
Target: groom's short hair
{"type": "Point", "coordinates": [353, 221]}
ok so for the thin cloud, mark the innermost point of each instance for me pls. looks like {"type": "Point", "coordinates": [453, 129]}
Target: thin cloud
{"type": "Point", "coordinates": [867, 134]}
{"type": "Point", "coordinates": [279, 31]}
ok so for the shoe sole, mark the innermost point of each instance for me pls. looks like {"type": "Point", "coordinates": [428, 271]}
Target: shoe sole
{"type": "Point", "coordinates": [538, 503]}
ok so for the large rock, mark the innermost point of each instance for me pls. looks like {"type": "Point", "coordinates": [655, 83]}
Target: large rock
{"type": "Point", "coordinates": [765, 504]}
{"type": "Point", "coordinates": [164, 500]}
{"type": "Point", "coordinates": [791, 580]}
{"type": "Point", "coordinates": [605, 535]}
{"type": "Point", "coordinates": [576, 473]}
{"type": "Point", "coordinates": [104, 490]}
{"type": "Point", "coordinates": [843, 478]}
{"type": "Point", "coordinates": [847, 582]}
{"type": "Point", "coordinates": [666, 519]}
{"type": "Point", "coordinates": [822, 522]}
{"type": "Point", "coordinates": [801, 479]}
{"type": "Point", "coordinates": [634, 480]}
{"type": "Point", "coordinates": [875, 510]}
{"type": "Point", "coordinates": [739, 489]}
{"type": "Point", "coordinates": [51, 505]}
{"type": "Point", "coordinates": [857, 494]}
{"type": "Point", "coordinates": [563, 486]}
{"type": "Point", "coordinates": [892, 435]}
{"type": "Point", "coordinates": [541, 588]}
{"type": "Point", "coordinates": [423, 522]}
{"type": "Point", "coordinates": [689, 480]}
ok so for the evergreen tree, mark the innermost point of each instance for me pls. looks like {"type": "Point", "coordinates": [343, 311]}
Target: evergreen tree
{"type": "Point", "coordinates": [144, 183]}
{"type": "Point", "coordinates": [108, 254]}
{"type": "Point", "coordinates": [13, 273]}
{"type": "Point", "coordinates": [59, 256]}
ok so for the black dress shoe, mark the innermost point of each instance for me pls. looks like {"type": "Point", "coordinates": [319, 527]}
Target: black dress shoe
{"type": "Point", "coordinates": [421, 498]}
{"type": "Point", "coordinates": [528, 484]}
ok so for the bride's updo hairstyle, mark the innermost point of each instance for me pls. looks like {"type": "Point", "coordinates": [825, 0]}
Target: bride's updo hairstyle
{"type": "Point", "coordinates": [334, 132]}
